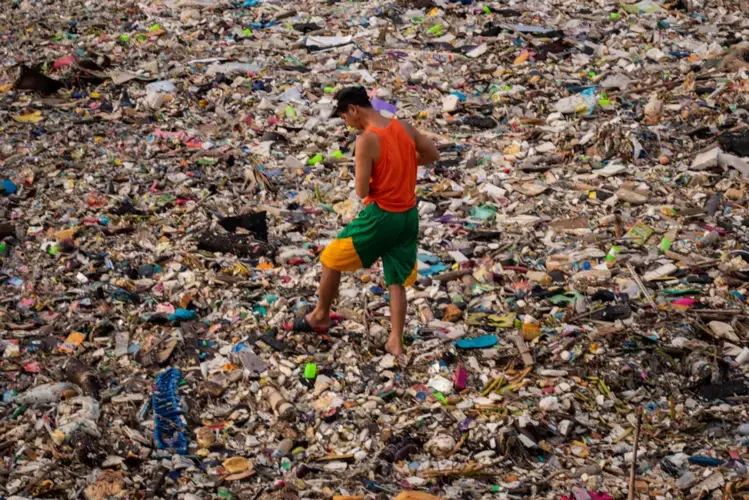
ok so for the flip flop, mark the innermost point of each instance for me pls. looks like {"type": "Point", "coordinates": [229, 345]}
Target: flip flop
{"type": "Point", "coordinates": [301, 325]}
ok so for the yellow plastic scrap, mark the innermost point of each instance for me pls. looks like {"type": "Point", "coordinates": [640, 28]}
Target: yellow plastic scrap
{"type": "Point", "coordinates": [524, 55]}
{"type": "Point", "coordinates": [494, 384]}
{"type": "Point", "coordinates": [506, 321]}
{"type": "Point", "coordinates": [34, 117]}
{"type": "Point", "coordinates": [604, 388]}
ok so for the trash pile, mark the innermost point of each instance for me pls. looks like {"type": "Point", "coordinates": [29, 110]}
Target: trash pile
{"type": "Point", "coordinates": [169, 174]}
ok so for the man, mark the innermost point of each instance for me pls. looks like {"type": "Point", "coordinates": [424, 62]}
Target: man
{"type": "Point", "coordinates": [386, 159]}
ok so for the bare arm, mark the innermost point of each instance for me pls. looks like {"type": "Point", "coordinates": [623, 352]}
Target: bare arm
{"type": "Point", "coordinates": [367, 151]}
{"type": "Point", "coordinates": [426, 151]}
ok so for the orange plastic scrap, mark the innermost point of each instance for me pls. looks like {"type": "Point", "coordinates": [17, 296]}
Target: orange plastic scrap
{"type": "Point", "coordinates": [415, 495]}
{"type": "Point", "coordinates": [524, 55]}
{"type": "Point", "coordinates": [74, 340]}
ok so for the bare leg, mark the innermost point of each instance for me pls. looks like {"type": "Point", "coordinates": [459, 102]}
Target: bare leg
{"type": "Point", "coordinates": [398, 303]}
{"type": "Point", "coordinates": [320, 317]}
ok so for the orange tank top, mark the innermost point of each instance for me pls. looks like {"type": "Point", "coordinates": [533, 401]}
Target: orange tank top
{"type": "Point", "coordinates": [393, 179]}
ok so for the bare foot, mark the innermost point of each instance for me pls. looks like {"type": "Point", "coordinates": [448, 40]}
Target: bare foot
{"type": "Point", "coordinates": [318, 322]}
{"type": "Point", "coordinates": [395, 347]}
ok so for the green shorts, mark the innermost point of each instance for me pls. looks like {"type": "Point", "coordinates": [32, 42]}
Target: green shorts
{"type": "Point", "coordinates": [375, 234]}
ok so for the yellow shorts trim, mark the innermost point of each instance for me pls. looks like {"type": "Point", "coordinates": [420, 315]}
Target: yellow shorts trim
{"type": "Point", "coordinates": [411, 277]}
{"type": "Point", "coordinates": [341, 255]}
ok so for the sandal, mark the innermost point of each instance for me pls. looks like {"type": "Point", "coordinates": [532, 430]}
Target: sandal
{"type": "Point", "coordinates": [301, 325]}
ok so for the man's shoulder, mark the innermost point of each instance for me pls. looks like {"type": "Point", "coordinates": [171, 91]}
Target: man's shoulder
{"type": "Point", "coordinates": [367, 138]}
{"type": "Point", "coordinates": [410, 130]}
{"type": "Point", "coordinates": [368, 142]}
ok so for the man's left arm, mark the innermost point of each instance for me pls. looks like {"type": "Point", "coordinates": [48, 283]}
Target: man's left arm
{"type": "Point", "coordinates": [366, 145]}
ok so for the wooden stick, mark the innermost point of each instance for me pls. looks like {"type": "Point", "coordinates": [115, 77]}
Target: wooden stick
{"type": "Point", "coordinates": [720, 311]}
{"type": "Point", "coordinates": [452, 275]}
{"type": "Point", "coordinates": [632, 470]}
{"type": "Point", "coordinates": [365, 315]}
{"type": "Point", "coordinates": [524, 351]}
{"type": "Point", "coordinates": [646, 88]}
{"type": "Point", "coordinates": [644, 290]}
{"type": "Point", "coordinates": [586, 314]}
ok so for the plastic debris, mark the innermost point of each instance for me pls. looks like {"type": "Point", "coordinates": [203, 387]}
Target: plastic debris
{"type": "Point", "coordinates": [170, 173]}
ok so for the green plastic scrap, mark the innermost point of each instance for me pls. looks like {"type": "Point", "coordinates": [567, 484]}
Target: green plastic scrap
{"type": "Point", "coordinates": [165, 199]}
{"type": "Point", "coordinates": [386, 395]}
{"type": "Point", "coordinates": [483, 212]}
{"type": "Point", "coordinates": [310, 370]}
{"type": "Point", "coordinates": [565, 298]}
{"type": "Point", "coordinates": [436, 30]}
{"type": "Point", "coordinates": [603, 388]}
{"type": "Point", "coordinates": [440, 397]}
{"type": "Point", "coordinates": [18, 411]}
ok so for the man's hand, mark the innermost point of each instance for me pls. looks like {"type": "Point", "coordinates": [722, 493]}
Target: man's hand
{"type": "Point", "coordinates": [426, 151]}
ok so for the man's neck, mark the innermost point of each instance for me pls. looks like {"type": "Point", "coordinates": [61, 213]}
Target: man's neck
{"type": "Point", "coordinates": [375, 119]}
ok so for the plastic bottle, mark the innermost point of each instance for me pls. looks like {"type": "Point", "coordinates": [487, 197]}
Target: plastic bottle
{"type": "Point", "coordinates": [613, 252]}
{"type": "Point", "coordinates": [712, 204]}
{"type": "Point", "coordinates": [709, 240]}
{"type": "Point", "coordinates": [590, 101]}
{"type": "Point", "coordinates": [743, 356]}
{"type": "Point", "coordinates": [280, 405]}
{"type": "Point", "coordinates": [47, 393]}
{"type": "Point", "coordinates": [685, 481]}
{"type": "Point", "coordinates": [283, 449]}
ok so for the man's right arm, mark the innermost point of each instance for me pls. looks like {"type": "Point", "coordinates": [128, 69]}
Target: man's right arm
{"type": "Point", "coordinates": [426, 151]}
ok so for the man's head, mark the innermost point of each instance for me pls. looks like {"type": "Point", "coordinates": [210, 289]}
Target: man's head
{"type": "Point", "coordinates": [352, 104]}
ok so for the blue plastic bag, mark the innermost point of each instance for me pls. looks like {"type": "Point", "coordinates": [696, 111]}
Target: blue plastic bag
{"type": "Point", "coordinates": [8, 186]}
{"type": "Point", "coordinates": [183, 315]}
